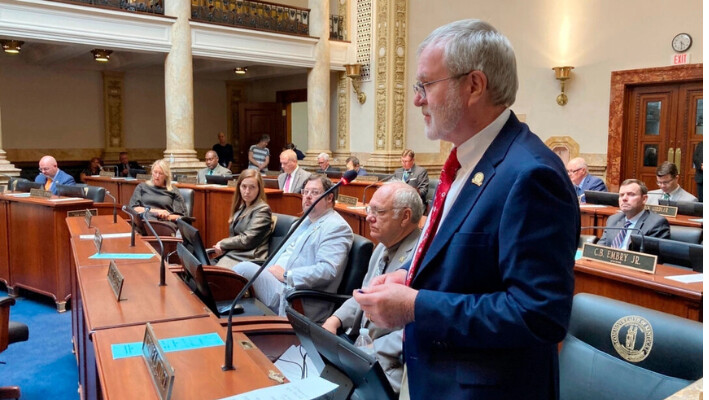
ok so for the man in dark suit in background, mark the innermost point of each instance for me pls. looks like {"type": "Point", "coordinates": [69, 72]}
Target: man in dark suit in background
{"type": "Point", "coordinates": [632, 197]}
{"type": "Point", "coordinates": [324, 163]}
{"type": "Point", "coordinates": [50, 175]}
{"type": "Point", "coordinates": [124, 165]}
{"type": "Point", "coordinates": [488, 294]}
{"type": "Point", "coordinates": [582, 180]}
{"type": "Point", "coordinates": [698, 161]}
{"type": "Point", "coordinates": [415, 176]}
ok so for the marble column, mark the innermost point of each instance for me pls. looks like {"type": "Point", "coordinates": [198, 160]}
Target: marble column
{"type": "Point", "coordinates": [179, 95]}
{"type": "Point", "coordinates": [113, 115]}
{"type": "Point", "coordinates": [319, 84]}
{"type": "Point", "coordinates": [6, 167]}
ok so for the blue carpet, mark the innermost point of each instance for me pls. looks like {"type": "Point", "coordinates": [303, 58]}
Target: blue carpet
{"type": "Point", "coordinates": [44, 366]}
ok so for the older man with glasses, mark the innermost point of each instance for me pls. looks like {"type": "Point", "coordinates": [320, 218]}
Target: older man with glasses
{"type": "Point", "coordinates": [313, 258]}
{"type": "Point", "coordinates": [582, 180]}
{"type": "Point", "coordinates": [50, 175]}
{"type": "Point", "coordinates": [668, 181]}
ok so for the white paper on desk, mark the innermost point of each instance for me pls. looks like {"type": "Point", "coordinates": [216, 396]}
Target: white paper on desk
{"type": "Point", "coordinates": [291, 364]}
{"type": "Point", "coordinates": [699, 220]}
{"type": "Point", "coordinates": [309, 388]}
{"type": "Point", "coordinates": [691, 278]}
{"type": "Point", "coordinates": [66, 199]}
{"type": "Point", "coordinates": [106, 236]}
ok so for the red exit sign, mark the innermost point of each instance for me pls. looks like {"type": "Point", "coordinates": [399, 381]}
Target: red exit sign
{"type": "Point", "coordinates": [679, 59]}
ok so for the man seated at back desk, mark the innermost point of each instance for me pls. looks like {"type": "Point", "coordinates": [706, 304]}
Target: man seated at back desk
{"type": "Point", "coordinates": [211, 159]}
{"type": "Point", "coordinates": [313, 258]}
{"type": "Point", "coordinates": [50, 175]}
{"type": "Point", "coordinates": [632, 197]}
{"type": "Point", "coordinates": [415, 176]}
{"type": "Point", "coordinates": [668, 181]}
{"type": "Point", "coordinates": [293, 177]}
{"type": "Point", "coordinates": [393, 215]}
{"type": "Point", "coordinates": [582, 180]}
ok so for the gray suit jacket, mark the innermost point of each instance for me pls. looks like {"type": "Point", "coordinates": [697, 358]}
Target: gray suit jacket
{"type": "Point", "coordinates": [387, 342]}
{"type": "Point", "coordinates": [300, 176]}
{"type": "Point", "coordinates": [654, 196]}
{"type": "Point", "coordinates": [650, 224]}
{"type": "Point", "coordinates": [418, 179]}
{"type": "Point", "coordinates": [219, 170]}
{"type": "Point", "coordinates": [248, 234]}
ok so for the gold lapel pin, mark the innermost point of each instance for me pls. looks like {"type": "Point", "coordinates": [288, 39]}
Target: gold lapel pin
{"type": "Point", "coordinates": [402, 258]}
{"type": "Point", "coordinates": [478, 178]}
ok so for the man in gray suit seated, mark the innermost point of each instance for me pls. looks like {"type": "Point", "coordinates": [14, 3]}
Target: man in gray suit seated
{"type": "Point", "coordinates": [393, 215]}
{"type": "Point", "coordinates": [293, 177]}
{"type": "Point", "coordinates": [668, 181]}
{"type": "Point", "coordinates": [213, 168]}
{"type": "Point", "coordinates": [631, 200]}
{"type": "Point", "coordinates": [313, 258]}
{"type": "Point", "coordinates": [415, 176]}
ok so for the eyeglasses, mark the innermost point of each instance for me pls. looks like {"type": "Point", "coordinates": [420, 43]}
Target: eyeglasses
{"type": "Point", "coordinates": [314, 193]}
{"type": "Point", "coordinates": [420, 87]}
{"type": "Point", "coordinates": [378, 212]}
{"type": "Point", "coordinates": [665, 183]}
{"type": "Point", "coordinates": [44, 169]}
{"type": "Point", "coordinates": [573, 171]}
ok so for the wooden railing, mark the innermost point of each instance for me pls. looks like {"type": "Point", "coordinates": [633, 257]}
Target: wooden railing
{"type": "Point", "coordinates": [253, 14]}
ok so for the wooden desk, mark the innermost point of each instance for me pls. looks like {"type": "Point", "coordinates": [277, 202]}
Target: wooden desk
{"type": "Point", "coordinates": [35, 242]}
{"type": "Point", "coordinates": [597, 215]}
{"type": "Point", "coordinates": [357, 189]}
{"type": "Point", "coordinates": [651, 291]}
{"type": "Point", "coordinates": [104, 223]}
{"type": "Point", "coordinates": [198, 373]}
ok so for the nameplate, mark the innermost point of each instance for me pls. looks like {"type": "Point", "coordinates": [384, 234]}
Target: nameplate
{"type": "Point", "coordinates": [98, 241]}
{"type": "Point", "coordinates": [192, 180]}
{"type": "Point", "coordinates": [110, 174]}
{"type": "Point", "coordinates": [367, 178]}
{"type": "Point", "coordinates": [3, 188]}
{"type": "Point", "coordinates": [87, 218]}
{"type": "Point", "coordinates": [621, 258]}
{"type": "Point", "coordinates": [82, 213]}
{"type": "Point", "coordinates": [349, 200]}
{"type": "Point", "coordinates": [160, 369]}
{"type": "Point", "coordinates": [115, 279]}
{"type": "Point", "coordinates": [231, 183]}
{"type": "Point", "coordinates": [667, 211]}
{"type": "Point", "coordinates": [40, 193]}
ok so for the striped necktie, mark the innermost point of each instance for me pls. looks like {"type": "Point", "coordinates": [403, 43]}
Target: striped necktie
{"type": "Point", "coordinates": [620, 237]}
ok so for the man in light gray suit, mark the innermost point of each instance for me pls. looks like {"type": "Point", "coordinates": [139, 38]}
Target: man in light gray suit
{"type": "Point", "coordinates": [415, 176]}
{"type": "Point", "coordinates": [632, 197]}
{"type": "Point", "coordinates": [393, 215]}
{"type": "Point", "coordinates": [213, 168]}
{"type": "Point", "coordinates": [293, 177]}
{"type": "Point", "coordinates": [668, 181]}
{"type": "Point", "coordinates": [313, 258]}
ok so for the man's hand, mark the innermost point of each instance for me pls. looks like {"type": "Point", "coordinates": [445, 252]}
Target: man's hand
{"type": "Point", "coordinates": [388, 305]}
{"type": "Point", "coordinates": [332, 324]}
{"type": "Point", "coordinates": [218, 249]}
{"type": "Point", "coordinates": [398, 276]}
{"type": "Point", "coordinates": [277, 271]}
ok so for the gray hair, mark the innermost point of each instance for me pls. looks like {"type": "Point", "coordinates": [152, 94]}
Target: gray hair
{"type": "Point", "coordinates": [324, 156]}
{"type": "Point", "coordinates": [407, 197]}
{"type": "Point", "coordinates": [475, 45]}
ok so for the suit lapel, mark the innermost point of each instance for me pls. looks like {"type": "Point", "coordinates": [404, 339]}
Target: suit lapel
{"type": "Point", "coordinates": [470, 192]}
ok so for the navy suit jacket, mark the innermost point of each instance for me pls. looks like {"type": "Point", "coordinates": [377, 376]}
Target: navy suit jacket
{"type": "Point", "coordinates": [61, 178]}
{"type": "Point", "coordinates": [650, 224]}
{"type": "Point", "coordinates": [496, 284]}
{"type": "Point", "coordinates": [591, 183]}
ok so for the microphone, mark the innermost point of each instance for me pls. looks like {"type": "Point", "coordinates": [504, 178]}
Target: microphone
{"type": "Point", "coordinates": [347, 177]}
{"type": "Point", "coordinates": [620, 228]}
{"type": "Point", "coordinates": [162, 248]}
{"type": "Point", "coordinates": [364, 192]}
{"type": "Point", "coordinates": [115, 211]}
{"type": "Point", "coordinates": [132, 214]}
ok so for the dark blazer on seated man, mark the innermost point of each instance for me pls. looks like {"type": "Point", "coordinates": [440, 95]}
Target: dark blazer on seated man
{"type": "Point", "coordinates": [49, 171]}
{"type": "Point", "coordinates": [416, 177]}
{"type": "Point", "coordinates": [649, 223]}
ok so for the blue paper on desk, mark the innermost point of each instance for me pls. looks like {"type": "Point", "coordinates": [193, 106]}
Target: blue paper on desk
{"type": "Point", "coordinates": [134, 349]}
{"type": "Point", "coordinates": [579, 254]}
{"type": "Point", "coordinates": [124, 256]}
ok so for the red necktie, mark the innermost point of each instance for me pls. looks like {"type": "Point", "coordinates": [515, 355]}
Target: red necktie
{"type": "Point", "coordinates": [450, 168]}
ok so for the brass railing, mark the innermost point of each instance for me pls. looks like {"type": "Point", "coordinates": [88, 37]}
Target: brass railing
{"type": "Point", "coordinates": [148, 6]}
{"type": "Point", "coordinates": [252, 14]}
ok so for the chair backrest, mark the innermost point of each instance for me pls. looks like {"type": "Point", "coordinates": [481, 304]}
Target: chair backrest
{"type": "Point", "coordinates": [598, 197]}
{"type": "Point", "coordinates": [693, 208]}
{"type": "Point", "coordinates": [357, 264]}
{"type": "Point", "coordinates": [270, 183]}
{"type": "Point", "coordinates": [72, 190]}
{"type": "Point", "coordinates": [220, 179]}
{"type": "Point", "coordinates": [12, 182]}
{"type": "Point", "coordinates": [97, 194]}
{"type": "Point", "coordinates": [283, 224]}
{"type": "Point", "coordinates": [671, 252]}
{"type": "Point", "coordinates": [432, 186]}
{"type": "Point", "coordinates": [25, 185]}
{"type": "Point", "coordinates": [616, 350]}
{"type": "Point", "coordinates": [689, 234]}
{"type": "Point", "coordinates": [188, 196]}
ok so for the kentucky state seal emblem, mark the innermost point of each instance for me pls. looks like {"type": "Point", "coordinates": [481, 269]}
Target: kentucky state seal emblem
{"type": "Point", "coordinates": [632, 338]}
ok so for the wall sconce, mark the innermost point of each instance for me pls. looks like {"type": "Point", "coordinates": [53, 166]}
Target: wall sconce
{"type": "Point", "coordinates": [101, 55]}
{"type": "Point", "coordinates": [352, 72]}
{"type": "Point", "coordinates": [11, 46]}
{"type": "Point", "coordinates": [240, 70]}
{"type": "Point", "coordinates": [562, 74]}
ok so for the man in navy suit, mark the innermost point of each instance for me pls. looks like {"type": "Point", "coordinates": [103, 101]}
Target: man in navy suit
{"type": "Point", "coordinates": [50, 175]}
{"type": "Point", "coordinates": [582, 180]}
{"type": "Point", "coordinates": [490, 297]}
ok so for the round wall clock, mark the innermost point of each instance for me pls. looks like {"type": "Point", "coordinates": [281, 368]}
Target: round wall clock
{"type": "Point", "coordinates": [682, 42]}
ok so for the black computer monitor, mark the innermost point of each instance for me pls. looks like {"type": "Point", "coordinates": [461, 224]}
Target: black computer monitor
{"type": "Point", "coordinates": [197, 280]}
{"type": "Point", "coordinates": [334, 174]}
{"type": "Point", "coordinates": [339, 361]}
{"type": "Point", "coordinates": [26, 185]}
{"type": "Point", "coordinates": [270, 183]}
{"type": "Point", "coordinates": [219, 179]}
{"type": "Point", "coordinates": [671, 252]}
{"type": "Point", "coordinates": [693, 208]}
{"type": "Point", "coordinates": [135, 171]}
{"type": "Point", "coordinates": [193, 241]}
{"type": "Point", "coordinates": [72, 190]}
{"type": "Point", "coordinates": [598, 197]}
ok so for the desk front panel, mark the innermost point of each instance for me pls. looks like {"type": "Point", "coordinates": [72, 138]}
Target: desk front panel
{"type": "Point", "coordinates": [198, 373]}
